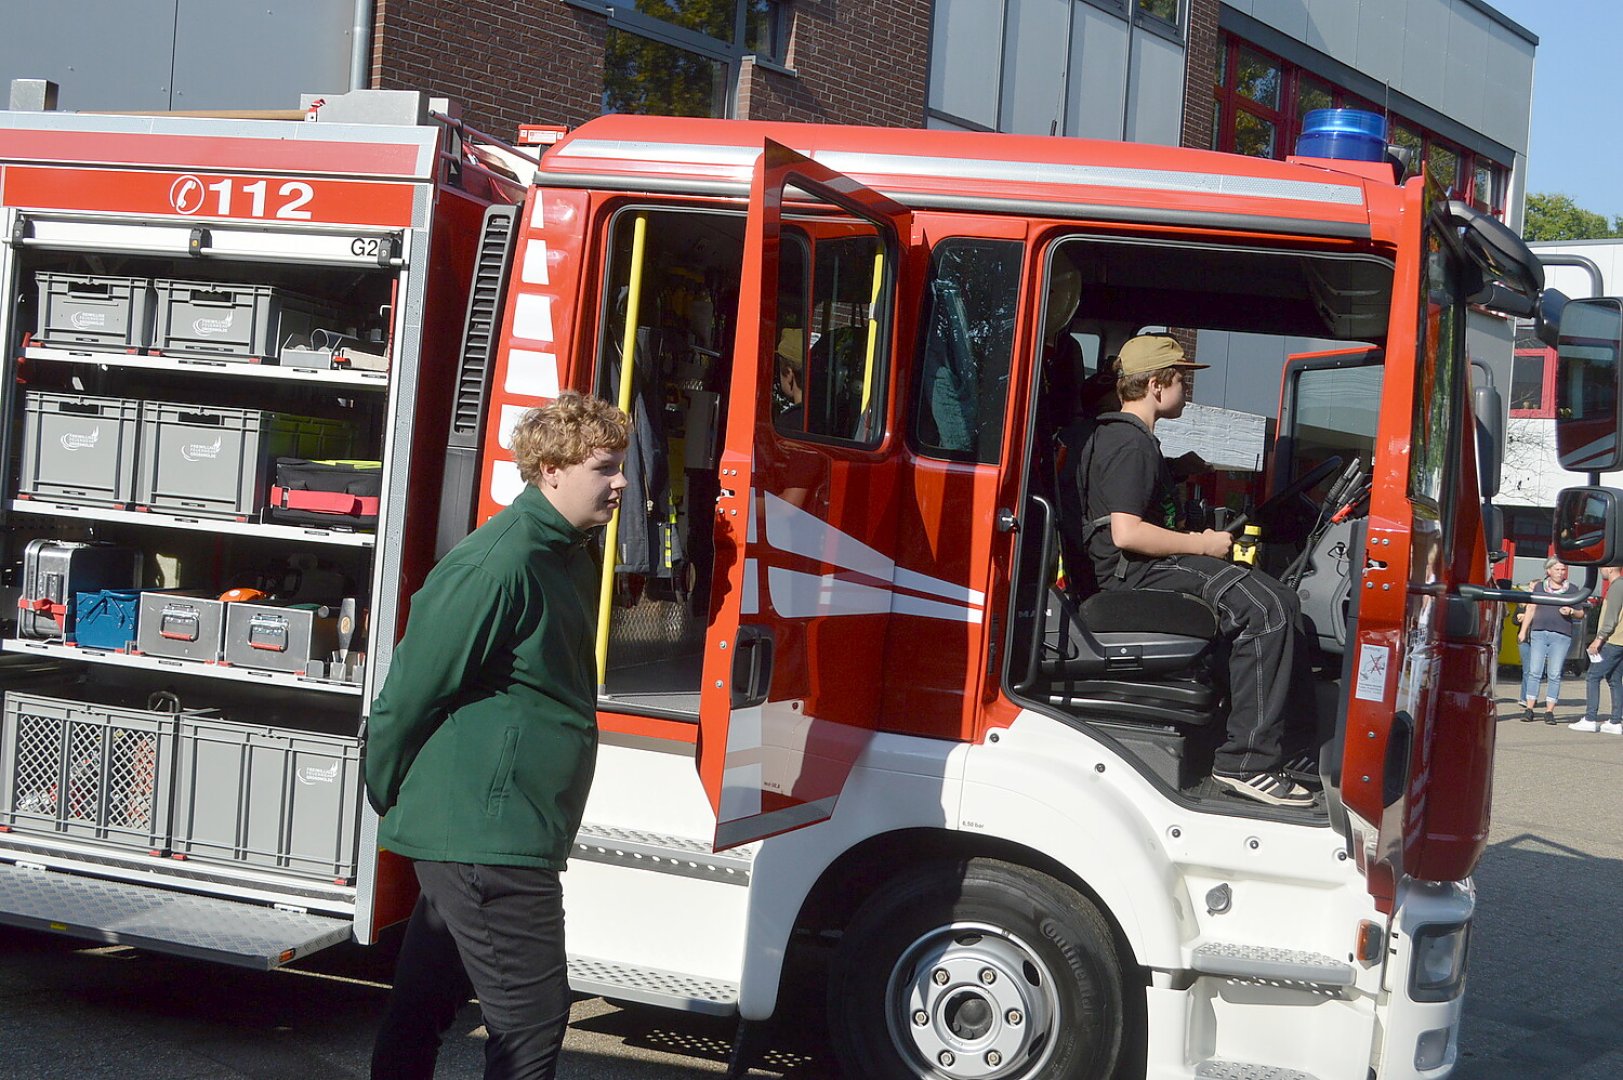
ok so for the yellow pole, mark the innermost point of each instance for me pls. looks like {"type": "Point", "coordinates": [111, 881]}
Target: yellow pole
{"type": "Point", "coordinates": [873, 329]}
{"type": "Point", "coordinates": [628, 359]}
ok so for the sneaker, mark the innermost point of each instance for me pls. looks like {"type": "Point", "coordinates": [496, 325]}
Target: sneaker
{"type": "Point", "coordinates": [1272, 788]}
{"type": "Point", "coordinates": [1585, 724]}
{"type": "Point", "coordinates": [1611, 727]}
{"type": "Point", "coordinates": [1527, 715]}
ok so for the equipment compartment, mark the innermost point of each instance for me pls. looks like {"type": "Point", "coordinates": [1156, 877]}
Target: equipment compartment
{"type": "Point", "coordinates": [84, 311]}
{"type": "Point", "coordinates": [268, 797]}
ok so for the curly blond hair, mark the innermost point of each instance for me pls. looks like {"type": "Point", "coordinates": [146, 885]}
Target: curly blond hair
{"type": "Point", "coordinates": [565, 433]}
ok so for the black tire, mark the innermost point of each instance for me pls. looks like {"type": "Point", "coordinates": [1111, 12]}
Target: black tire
{"type": "Point", "coordinates": [924, 944]}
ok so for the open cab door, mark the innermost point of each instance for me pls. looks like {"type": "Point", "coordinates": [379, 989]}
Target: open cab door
{"type": "Point", "coordinates": [801, 600]}
{"type": "Point", "coordinates": [1418, 712]}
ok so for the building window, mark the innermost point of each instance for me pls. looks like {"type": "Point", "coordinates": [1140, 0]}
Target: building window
{"type": "Point", "coordinates": [1165, 10]}
{"type": "Point", "coordinates": [1261, 101]}
{"type": "Point", "coordinates": [682, 57]}
{"type": "Point", "coordinates": [1532, 384]}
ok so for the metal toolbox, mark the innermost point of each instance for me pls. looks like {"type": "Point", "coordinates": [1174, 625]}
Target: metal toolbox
{"type": "Point", "coordinates": [211, 462]}
{"type": "Point", "coordinates": [279, 638]}
{"type": "Point", "coordinates": [105, 618]}
{"type": "Point", "coordinates": [79, 448]}
{"type": "Point", "coordinates": [54, 571]}
{"type": "Point", "coordinates": [97, 772]}
{"type": "Point", "coordinates": [83, 311]}
{"type": "Point", "coordinates": [268, 797]}
{"type": "Point", "coordinates": [233, 321]}
{"type": "Point", "coordinates": [184, 626]}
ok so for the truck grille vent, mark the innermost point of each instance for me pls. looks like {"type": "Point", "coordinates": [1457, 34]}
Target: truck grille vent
{"type": "Point", "coordinates": [485, 299]}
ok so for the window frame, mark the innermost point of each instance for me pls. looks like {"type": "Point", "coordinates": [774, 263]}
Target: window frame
{"type": "Point", "coordinates": [1545, 410]}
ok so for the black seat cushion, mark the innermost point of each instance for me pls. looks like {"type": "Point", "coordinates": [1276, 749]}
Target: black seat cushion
{"type": "Point", "coordinates": [1149, 611]}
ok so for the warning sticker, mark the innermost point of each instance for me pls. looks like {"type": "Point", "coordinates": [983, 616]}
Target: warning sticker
{"type": "Point", "coordinates": [1372, 663]}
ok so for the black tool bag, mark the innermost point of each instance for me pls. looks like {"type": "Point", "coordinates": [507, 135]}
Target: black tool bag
{"type": "Point", "coordinates": [329, 494]}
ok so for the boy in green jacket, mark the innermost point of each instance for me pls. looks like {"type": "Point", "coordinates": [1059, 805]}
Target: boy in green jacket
{"type": "Point", "coordinates": [480, 749]}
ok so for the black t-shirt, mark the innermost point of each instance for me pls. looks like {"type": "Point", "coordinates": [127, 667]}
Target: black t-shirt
{"type": "Point", "coordinates": [1126, 474]}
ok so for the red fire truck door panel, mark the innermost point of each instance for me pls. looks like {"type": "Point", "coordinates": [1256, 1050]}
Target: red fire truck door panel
{"type": "Point", "coordinates": [803, 584]}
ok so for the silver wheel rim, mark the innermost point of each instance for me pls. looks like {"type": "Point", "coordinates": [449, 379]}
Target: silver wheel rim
{"type": "Point", "coordinates": [971, 1001]}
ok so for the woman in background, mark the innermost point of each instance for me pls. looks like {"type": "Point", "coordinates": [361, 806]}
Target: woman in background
{"type": "Point", "coordinates": [1547, 633]}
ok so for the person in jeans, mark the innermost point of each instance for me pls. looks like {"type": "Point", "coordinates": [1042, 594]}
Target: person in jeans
{"type": "Point", "coordinates": [1606, 661]}
{"type": "Point", "coordinates": [1135, 541]}
{"type": "Point", "coordinates": [481, 746]}
{"type": "Point", "coordinates": [1547, 633]}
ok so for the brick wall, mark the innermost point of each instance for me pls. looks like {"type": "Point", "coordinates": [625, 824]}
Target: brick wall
{"type": "Point", "coordinates": [1199, 74]}
{"type": "Point", "coordinates": [855, 62]}
{"type": "Point", "coordinates": [509, 62]}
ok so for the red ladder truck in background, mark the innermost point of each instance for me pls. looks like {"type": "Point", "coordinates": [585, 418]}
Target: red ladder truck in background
{"type": "Point", "coordinates": [846, 714]}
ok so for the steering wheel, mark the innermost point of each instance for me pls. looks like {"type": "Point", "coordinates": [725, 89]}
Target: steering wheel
{"type": "Point", "coordinates": [1284, 495]}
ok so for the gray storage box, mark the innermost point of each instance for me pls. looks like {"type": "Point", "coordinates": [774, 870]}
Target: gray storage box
{"type": "Point", "coordinates": [82, 311]}
{"type": "Point", "coordinates": [183, 626]}
{"type": "Point", "coordinates": [233, 321]}
{"type": "Point", "coordinates": [78, 448]}
{"type": "Point", "coordinates": [54, 571]}
{"type": "Point", "coordinates": [279, 638]}
{"type": "Point", "coordinates": [216, 462]}
{"type": "Point", "coordinates": [95, 772]}
{"type": "Point", "coordinates": [268, 797]}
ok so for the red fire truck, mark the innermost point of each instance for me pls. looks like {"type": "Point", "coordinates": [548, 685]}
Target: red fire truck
{"type": "Point", "coordinates": [846, 712]}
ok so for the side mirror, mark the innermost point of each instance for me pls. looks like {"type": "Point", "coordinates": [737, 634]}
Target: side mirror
{"type": "Point", "coordinates": [1589, 526]}
{"type": "Point", "coordinates": [1489, 408]}
{"type": "Point", "coordinates": [1547, 319]}
{"type": "Point", "coordinates": [1589, 368]}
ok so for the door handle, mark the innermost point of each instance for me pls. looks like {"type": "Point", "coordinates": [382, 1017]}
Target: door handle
{"type": "Point", "coordinates": [752, 667]}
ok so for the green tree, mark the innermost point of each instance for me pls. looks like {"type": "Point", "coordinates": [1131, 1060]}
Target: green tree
{"type": "Point", "coordinates": [1557, 217]}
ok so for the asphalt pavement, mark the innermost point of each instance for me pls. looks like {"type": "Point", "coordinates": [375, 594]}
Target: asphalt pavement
{"type": "Point", "coordinates": [1542, 1003]}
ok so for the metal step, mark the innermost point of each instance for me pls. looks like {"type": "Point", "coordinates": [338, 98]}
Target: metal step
{"type": "Point", "coordinates": [1277, 965]}
{"type": "Point", "coordinates": [651, 986]}
{"type": "Point", "coordinates": [1239, 1070]}
{"type": "Point", "coordinates": [664, 854]}
{"type": "Point", "coordinates": [148, 917]}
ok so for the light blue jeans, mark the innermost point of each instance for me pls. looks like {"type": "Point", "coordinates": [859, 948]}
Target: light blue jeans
{"type": "Point", "coordinates": [1545, 656]}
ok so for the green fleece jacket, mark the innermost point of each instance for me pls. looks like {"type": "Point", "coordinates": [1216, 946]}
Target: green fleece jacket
{"type": "Point", "coordinates": [481, 744]}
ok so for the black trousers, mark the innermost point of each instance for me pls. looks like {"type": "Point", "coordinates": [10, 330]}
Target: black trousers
{"type": "Point", "coordinates": [497, 931]}
{"type": "Point", "coordinates": [1257, 618]}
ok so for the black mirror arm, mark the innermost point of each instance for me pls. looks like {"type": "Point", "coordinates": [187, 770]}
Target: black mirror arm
{"type": "Point", "coordinates": [1489, 594]}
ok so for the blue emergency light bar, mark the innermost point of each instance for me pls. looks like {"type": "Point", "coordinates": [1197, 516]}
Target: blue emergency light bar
{"type": "Point", "coordinates": [1344, 134]}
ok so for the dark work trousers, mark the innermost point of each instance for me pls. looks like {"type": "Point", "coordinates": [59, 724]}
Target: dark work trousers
{"type": "Point", "coordinates": [1610, 670]}
{"type": "Point", "coordinates": [499, 931]}
{"type": "Point", "coordinates": [1257, 617]}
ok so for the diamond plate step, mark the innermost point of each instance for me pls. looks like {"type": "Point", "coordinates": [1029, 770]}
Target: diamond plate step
{"type": "Point", "coordinates": [1237, 1070]}
{"type": "Point", "coordinates": [208, 928]}
{"type": "Point", "coordinates": [651, 986]}
{"type": "Point", "coordinates": [663, 854]}
{"type": "Point", "coordinates": [1282, 965]}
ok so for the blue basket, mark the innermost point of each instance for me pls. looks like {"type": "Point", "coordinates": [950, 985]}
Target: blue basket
{"type": "Point", "coordinates": [105, 619]}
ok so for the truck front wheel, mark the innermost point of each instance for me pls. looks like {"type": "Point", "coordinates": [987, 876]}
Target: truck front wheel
{"type": "Point", "coordinates": [976, 970]}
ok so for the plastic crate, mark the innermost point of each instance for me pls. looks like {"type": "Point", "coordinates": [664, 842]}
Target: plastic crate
{"type": "Point", "coordinates": [271, 797]}
{"type": "Point", "coordinates": [106, 314]}
{"type": "Point", "coordinates": [96, 772]}
{"type": "Point", "coordinates": [233, 321]}
{"type": "Point", "coordinates": [79, 448]}
{"type": "Point", "coordinates": [211, 462]}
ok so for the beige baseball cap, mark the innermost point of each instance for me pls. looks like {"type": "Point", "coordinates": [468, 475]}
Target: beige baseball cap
{"type": "Point", "coordinates": [1152, 352]}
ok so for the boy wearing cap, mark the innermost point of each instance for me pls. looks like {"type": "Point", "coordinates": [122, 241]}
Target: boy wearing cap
{"type": "Point", "coordinates": [1136, 542]}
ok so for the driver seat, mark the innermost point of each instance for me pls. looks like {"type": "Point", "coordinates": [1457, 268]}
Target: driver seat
{"type": "Point", "coordinates": [1142, 655]}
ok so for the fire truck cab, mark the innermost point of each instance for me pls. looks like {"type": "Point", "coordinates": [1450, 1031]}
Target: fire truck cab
{"type": "Point", "coordinates": [856, 718]}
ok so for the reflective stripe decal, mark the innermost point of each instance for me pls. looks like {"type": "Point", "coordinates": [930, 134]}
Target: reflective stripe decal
{"type": "Point", "coordinates": [1023, 172]}
{"type": "Point", "coordinates": [531, 374]}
